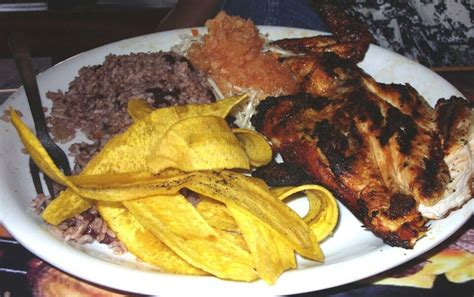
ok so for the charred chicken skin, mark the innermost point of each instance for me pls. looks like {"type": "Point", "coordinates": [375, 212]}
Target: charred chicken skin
{"type": "Point", "coordinates": [376, 146]}
{"type": "Point", "coordinates": [381, 149]}
{"type": "Point", "coordinates": [349, 40]}
{"type": "Point", "coordinates": [321, 136]}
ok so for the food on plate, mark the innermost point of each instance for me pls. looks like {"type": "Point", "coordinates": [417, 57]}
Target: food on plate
{"type": "Point", "coordinates": [376, 146]}
{"type": "Point", "coordinates": [149, 214]}
{"type": "Point", "coordinates": [323, 213]}
{"type": "Point", "coordinates": [199, 142]}
{"type": "Point", "coordinates": [349, 40]}
{"type": "Point", "coordinates": [96, 105]}
{"type": "Point", "coordinates": [96, 101]}
{"type": "Point", "coordinates": [128, 152]}
{"type": "Point", "coordinates": [231, 52]}
{"type": "Point", "coordinates": [257, 148]}
{"type": "Point", "coordinates": [454, 120]}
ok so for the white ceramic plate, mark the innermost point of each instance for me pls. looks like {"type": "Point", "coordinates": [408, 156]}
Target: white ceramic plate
{"type": "Point", "coordinates": [351, 254]}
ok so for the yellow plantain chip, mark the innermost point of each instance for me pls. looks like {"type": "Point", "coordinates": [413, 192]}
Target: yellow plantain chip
{"type": "Point", "coordinates": [218, 216]}
{"type": "Point", "coordinates": [198, 143]}
{"type": "Point", "coordinates": [37, 152]}
{"type": "Point", "coordinates": [66, 205]}
{"type": "Point", "coordinates": [138, 109]}
{"type": "Point", "coordinates": [227, 187]}
{"type": "Point", "coordinates": [270, 253]}
{"type": "Point", "coordinates": [324, 224]}
{"type": "Point", "coordinates": [323, 213]}
{"type": "Point", "coordinates": [255, 145]}
{"type": "Point", "coordinates": [176, 222]}
{"type": "Point", "coordinates": [224, 186]}
{"type": "Point", "coordinates": [127, 152]}
{"type": "Point", "coordinates": [141, 242]}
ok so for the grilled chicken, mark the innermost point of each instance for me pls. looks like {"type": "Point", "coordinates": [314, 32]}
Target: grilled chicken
{"type": "Point", "coordinates": [349, 40]}
{"type": "Point", "coordinates": [324, 137]}
{"type": "Point", "coordinates": [455, 123]}
{"type": "Point", "coordinates": [413, 159]}
{"type": "Point", "coordinates": [282, 174]}
{"type": "Point", "coordinates": [377, 146]}
{"type": "Point", "coordinates": [380, 148]}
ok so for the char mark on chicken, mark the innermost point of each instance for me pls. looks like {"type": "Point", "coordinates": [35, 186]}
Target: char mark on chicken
{"type": "Point", "coordinates": [350, 37]}
{"type": "Point", "coordinates": [380, 148]}
{"type": "Point", "coordinates": [371, 143]}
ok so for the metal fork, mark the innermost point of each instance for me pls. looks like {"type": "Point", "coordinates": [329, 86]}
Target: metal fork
{"type": "Point", "coordinates": [21, 54]}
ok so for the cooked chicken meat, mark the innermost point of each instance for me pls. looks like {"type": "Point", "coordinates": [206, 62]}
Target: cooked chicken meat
{"type": "Point", "coordinates": [320, 135]}
{"type": "Point", "coordinates": [376, 146]}
{"type": "Point", "coordinates": [455, 123]}
{"type": "Point", "coordinates": [349, 39]}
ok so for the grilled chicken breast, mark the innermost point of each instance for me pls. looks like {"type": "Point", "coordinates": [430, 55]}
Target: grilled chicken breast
{"type": "Point", "coordinates": [323, 137]}
{"type": "Point", "coordinates": [454, 121]}
{"type": "Point", "coordinates": [384, 152]}
{"type": "Point", "coordinates": [378, 147]}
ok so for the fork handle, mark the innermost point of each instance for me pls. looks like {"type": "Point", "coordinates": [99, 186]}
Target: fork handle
{"type": "Point", "coordinates": [21, 54]}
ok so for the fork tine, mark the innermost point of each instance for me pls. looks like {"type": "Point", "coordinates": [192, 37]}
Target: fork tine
{"type": "Point", "coordinates": [63, 162]}
{"type": "Point", "coordinates": [35, 175]}
{"type": "Point", "coordinates": [49, 184]}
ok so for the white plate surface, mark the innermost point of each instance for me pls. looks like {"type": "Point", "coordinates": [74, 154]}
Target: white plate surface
{"type": "Point", "coordinates": [351, 254]}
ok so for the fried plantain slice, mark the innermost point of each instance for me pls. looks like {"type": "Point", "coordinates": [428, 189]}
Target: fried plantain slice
{"type": "Point", "coordinates": [37, 152]}
{"type": "Point", "coordinates": [173, 220]}
{"type": "Point", "coordinates": [127, 152]}
{"type": "Point", "coordinates": [217, 215]}
{"type": "Point", "coordinates": [198, 143]}
{"type": "Point", "coordinates": [141, 242]}
{"type": "Point", "coordinates": [255, 145]}
{"type": "Point", "coordinates": [227, 187]}
{"type": "Point", "coordinates": [323, 213]}
{"type": "Point", "coordinates": [271, 255]}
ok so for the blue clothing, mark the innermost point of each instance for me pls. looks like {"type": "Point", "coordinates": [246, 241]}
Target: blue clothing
{"type": "Point", "coordinates": [287, 13]}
